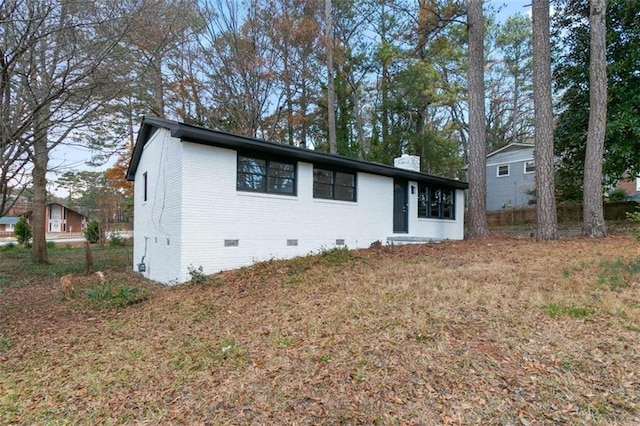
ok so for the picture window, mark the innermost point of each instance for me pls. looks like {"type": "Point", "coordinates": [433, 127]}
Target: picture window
{"type": "Point", "coordinates": [265, 175]}
{"type": "Point", "coordinates": [436, 202]}
{"type": "Point", "coordinates": [334, 185]}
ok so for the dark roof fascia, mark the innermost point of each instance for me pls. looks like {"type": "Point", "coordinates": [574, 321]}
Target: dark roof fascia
{"type": "Point", "coordinates": [147, 128]}
{"type": "Point", "coordinates": [216, 138]}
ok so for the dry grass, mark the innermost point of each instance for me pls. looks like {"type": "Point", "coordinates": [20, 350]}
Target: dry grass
{"type": "Point", "coordinates": [503, 331]}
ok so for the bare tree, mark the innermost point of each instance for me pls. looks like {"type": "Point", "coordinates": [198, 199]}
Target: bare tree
{"type": "Point", "coordinates": [478, 227]}
{"type": "Point", "coordinates": [543, 117]}
{"type": "Point", "coordinates": [593, 215]}
{"type": "Point", "coordinates": [294, 30]}
{"type": "Point", "coordinates": [16, 39]}
{"type": "Point", "coordinates": [53, 83]}
{"type": "Point", "coordinates": [237, 63]}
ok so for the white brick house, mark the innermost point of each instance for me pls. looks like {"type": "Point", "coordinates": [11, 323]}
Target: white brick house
{"type": "Point", "coordinates": [222, 201]}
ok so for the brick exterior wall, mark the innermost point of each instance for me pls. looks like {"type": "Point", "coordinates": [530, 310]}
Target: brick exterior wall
{"type": "Point", "coordinates": [194, 215]}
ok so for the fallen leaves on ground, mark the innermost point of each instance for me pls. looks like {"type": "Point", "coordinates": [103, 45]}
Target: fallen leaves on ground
{"type": "Point", "coordinates": [450, 333]}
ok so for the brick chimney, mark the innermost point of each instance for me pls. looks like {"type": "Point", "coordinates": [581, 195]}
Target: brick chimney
{"type": "Point", "coordinates": [407, 162]}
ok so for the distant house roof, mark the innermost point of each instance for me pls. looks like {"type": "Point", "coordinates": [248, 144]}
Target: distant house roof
{"type": "Point", "coordinates": [8, 220]}
{"type": "Point", "coordinates": [217, 138]}
{"type": "Point", "coordinates": [30, 212]}
{"type": "Point", "coordinates": [511, 147]}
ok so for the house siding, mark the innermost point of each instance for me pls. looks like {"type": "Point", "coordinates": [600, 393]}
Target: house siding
{"type": "Point", "coordinates": [512, 191]}
{"type": "Point", "coordinates": [157, 221]}
{"type": "Point", "coordinates": [75, 222]}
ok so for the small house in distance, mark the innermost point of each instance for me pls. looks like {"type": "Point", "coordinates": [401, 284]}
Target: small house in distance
{"type": "Point", "coordinates": [221, 201]}
{"type": "Point", "coordinates": [61, 219]}
{"type": "Point", "coordinates": [8, 225]}
{"type": "Point", "coordinates": [511, 177]}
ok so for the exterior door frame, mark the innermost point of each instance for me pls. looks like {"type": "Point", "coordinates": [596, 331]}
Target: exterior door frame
{"type": "Point", "coordinates": [400, 206]}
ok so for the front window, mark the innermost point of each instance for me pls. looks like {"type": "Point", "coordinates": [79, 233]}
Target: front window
{"type": "Point", "coordinates": [262, 175]}
{"type": "Point", "coordinates": [436, 202]}
{"type": "Point", "coordinates": [334, 185]}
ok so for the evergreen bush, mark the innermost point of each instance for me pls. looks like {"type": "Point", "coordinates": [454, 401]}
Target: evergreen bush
{"type": "Point", "coordinates": [92, 231]}
{"type": "Point", "coordinates": [22, 231]}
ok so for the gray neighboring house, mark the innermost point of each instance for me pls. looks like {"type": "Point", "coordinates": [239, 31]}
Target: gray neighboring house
{"type": "Point", "coordinates": [511, 177]}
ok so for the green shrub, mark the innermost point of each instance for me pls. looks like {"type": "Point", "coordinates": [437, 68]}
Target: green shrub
{"type": "Point", "coordinates": [110, 295]}
{"type": "Point", "coordinates": [618, 273]}
{"type": "Point", "coordinates": [618, 194]}
{"type": "Point", "coordinates": [5, 344]}
{"type": "Point", "coordinates": [197, 274]}
{"type": "Point", "coordinates": [92, 231]}
{"type": "Point", "coordinates": [8, 247]}
{"type": "Point", "coordinates": [337, 256]}
{"type": "Point", "coordinates": [116, 240]}
{"type": "Point", "coordinates": [556, 310]}
{"type": "Point", "coordinates": [22, 231]}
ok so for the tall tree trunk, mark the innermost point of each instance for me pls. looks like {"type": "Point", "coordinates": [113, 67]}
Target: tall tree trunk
{"type": "Point", "coordinates": [384, 83]}
{"type": "Point", "coordinates": [364, 146]}
{"type": "Point", "coordinates": [288, 94]}
{"type": "Point", "coordinates": [543, 117]}
{"type": "Point", "coordinates": [478, 227]}
{"type": "Point", "coordinates": [304, 102]}
{"type": "Point", "coordinates": [331, 90]}
{"type": "Point", "coordinates": [515, 118]}
{"type": "Point", "coordinates": [40, 162]}
{"type": "Point", "coordinates": [593, 216]}
{"type": "Point", "coordinates": [157, 106]}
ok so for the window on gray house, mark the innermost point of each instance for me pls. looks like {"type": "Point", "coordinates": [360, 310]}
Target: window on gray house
{"type": "Point", "coordinates": [503, 170]}
{"type": "Point", "coordinates": [265, 175]}
{"type": "Point", "coordinates": [436, 202]}
{"type": "Point", "coordinates": [529, 166]}
{"type": "Point", "coordinates": [334, 185]}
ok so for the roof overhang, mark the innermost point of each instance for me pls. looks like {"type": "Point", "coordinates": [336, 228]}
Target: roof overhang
{"type": "Point", "coordinates": [9, 220]}
{"type": "Point", "coordinates": [200, 135]}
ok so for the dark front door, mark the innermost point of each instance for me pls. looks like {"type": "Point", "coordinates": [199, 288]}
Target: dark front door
{"type": "Point", "coordinates": [400, 223]}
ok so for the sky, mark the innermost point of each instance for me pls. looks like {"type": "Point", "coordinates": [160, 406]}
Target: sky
{"type": "Point", "coordinates": [511, 7]}
{"type": "Point", "coordinates": [66, 158]}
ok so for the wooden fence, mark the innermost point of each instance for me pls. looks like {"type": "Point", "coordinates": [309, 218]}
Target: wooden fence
{"type": "Point", "coordinates": [567, 212]}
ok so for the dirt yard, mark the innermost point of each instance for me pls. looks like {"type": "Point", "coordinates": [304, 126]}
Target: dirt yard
{"type": "Point", "coordinates": [503, 331]}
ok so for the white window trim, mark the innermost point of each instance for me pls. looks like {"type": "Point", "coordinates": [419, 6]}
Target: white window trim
{"type": "Point", "coordinates": [525, 167]}
{"type": "Point", "coordinates": [638, 184]}
{"type": "Point", "coordinates": [498, 170]}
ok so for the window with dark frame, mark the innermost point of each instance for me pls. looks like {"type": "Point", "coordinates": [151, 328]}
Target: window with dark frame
{"type": "Point", "coordinates": [436, 202]}
{"type": "Point", "coordinates": [503, 170]}
{"type": "Point", "coordinates": [266, 175]}
{"type": "Point", "coordinates": [144, 180]}
{"type": "Point", "coordinates": [334, 185]}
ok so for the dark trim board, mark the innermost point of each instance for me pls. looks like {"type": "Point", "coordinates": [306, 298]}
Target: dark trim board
{"type": "Point", "coordinates": [200, 135]}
